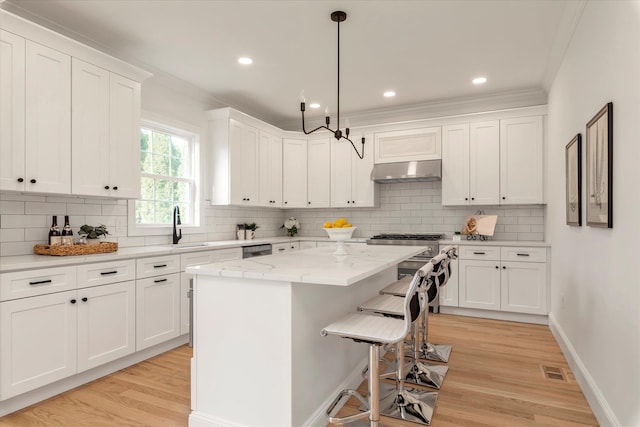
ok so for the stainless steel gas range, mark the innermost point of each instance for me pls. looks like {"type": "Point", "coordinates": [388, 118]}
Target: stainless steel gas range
{"type": "Point", "coordinates": [410, 266]}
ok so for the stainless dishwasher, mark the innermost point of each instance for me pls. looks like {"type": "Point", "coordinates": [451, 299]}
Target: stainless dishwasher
{"type": "Point", "coordinates": [256, 250]}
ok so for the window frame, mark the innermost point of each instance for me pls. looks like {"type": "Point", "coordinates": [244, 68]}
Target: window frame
{"type": "Point", "coordinates": [161, 124]}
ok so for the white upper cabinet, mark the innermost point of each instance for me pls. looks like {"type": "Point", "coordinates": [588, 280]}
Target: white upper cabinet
{"type": "Point", "coordinates": [493, 162]}
{"type": "Point", "coordinates": [12, 111]}
{"type": "Point", "coordinates": [48, 120]}
{"type": "Point", "coordinates": [351, 184]}
{"type": "Point", "coordinates": [319, 173]}
{"type": "Point", "coordinates": [521, 160]}
{"type": "Point", "coordinates": [405, 145]}
{"type": "Point", "coordinates": [294, 188]}
{"type": "Point", "coordinates": [105, 126]}
{"type": "Point", "coordinates": [270, 170]}
{"type": "Point", "coordinates": [484, 163]}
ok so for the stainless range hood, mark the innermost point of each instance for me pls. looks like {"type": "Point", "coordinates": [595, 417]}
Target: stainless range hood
{"type": "Point", "coordinates": [423, 170]}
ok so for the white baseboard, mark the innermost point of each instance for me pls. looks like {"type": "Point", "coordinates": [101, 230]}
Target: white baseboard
{"type": "Point", "coordinates": [318, 418]}
{"type": "Point", "coordinates": [38, 395]}
{"type": "Point", "coordinates": [497, 315]}
{"type": "Point", "coordinates": [197, 419]}
{"type": "Point", "coordinates": [599, 405]}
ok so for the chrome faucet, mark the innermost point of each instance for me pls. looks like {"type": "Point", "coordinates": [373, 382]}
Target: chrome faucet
{"type": "Point", "coordinates": [176, 221]}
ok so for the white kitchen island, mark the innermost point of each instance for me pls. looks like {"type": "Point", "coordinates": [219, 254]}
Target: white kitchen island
{"type": "Point", "coordinates": [259, 359]}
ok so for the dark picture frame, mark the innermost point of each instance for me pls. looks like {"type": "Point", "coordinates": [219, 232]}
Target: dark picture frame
{"type": "Point", "coordinates": [573, 175]}
{"type": "Point", "coordinates": [599, 196]}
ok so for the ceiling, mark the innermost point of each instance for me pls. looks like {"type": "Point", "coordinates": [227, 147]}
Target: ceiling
{"type": "Point", "coordinates": [426, 51]}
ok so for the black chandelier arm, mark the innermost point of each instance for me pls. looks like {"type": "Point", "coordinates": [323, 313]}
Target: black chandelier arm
{"type": "Point", "coordinates": [312, 131]}
{"type": "Point", "coordinates": [361, 156]}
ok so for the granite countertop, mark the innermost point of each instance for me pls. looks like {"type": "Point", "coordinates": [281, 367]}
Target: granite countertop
{"type": "Point", "coordinates": [317, 266]}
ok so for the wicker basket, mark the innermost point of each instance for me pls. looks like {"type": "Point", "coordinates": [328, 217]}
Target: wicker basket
{"type": "Point", "coordinates": [66, 250]}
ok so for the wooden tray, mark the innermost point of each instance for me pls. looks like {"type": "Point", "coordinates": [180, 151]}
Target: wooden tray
{"type": "Point", "coordinates": [67, 250]}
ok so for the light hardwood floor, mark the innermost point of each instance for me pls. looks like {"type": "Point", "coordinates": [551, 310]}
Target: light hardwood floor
{"type": "Point", "coordinates": [495, 379]}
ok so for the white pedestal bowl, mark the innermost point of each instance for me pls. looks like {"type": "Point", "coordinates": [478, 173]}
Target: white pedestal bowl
{"type": "Point", "coordinates": [340, 235]}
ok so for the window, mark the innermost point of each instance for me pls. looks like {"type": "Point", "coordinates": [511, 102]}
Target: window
{"type": "Point", "coordinates": [168, 178]}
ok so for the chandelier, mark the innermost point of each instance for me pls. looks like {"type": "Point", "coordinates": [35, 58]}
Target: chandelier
{"type": "Point", "coordinates": [337, 16]}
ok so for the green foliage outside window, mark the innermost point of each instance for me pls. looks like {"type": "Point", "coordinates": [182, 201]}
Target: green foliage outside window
{"type": "Point", "coordinates": [166, 178]}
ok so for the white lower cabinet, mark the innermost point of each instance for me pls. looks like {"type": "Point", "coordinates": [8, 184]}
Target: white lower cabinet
{"type": "Point", "coordinates": [157, 310]}
{"type": "Point", "coordinates": [38, 340]}
{"type": "Point", "coordinates": [278, 248]}
{"type": "Point", "coordinates": [449, 294]}
{"type": "Point", "coordinates": [106, 323]}
{"type": "Point", "coordinates": [512, 279]}
{"type": "Point", "coordinates": [308, 245]}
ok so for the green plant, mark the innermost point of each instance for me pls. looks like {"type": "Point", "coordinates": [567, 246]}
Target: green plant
{"type": "Point", "coordinates": [93, 232]}
{"type": "Point", "coordinates": [251, 226]}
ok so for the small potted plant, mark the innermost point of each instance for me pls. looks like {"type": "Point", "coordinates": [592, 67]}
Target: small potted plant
{"type": "Point", "coordinates": [250, 230]}
{"type": "Point", "coordinates": [291, 225]}
{"type": "Point", "coordinates": [92, 235]}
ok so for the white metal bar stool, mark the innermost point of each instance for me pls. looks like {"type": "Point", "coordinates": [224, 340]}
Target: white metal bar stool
{"type": "Point", "coordinates": [378, 331]}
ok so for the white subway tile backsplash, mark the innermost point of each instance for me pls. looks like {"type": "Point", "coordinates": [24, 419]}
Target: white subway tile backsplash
{"type": "Point", "coordinates": [11, 207]}
{"type": "Point", "coordinates": [11, 235]}
{"type": "Point", "coordinates": [114, 210]}
{"type": "Point", "coordinates": [85, 209]}
{"type": "Point", "coordinates": [24, 221]}
{"type": "Point", "coordinates": [34, 208]}
{"type": "Point", "coordinates": [22, 197]}
{"type": "Point", "coordinates": [36, 234]}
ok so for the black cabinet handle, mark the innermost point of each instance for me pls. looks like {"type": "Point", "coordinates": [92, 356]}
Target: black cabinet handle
{"type": "Point", "coordinates": [85, 299]}
{"type": "Point", "coordinates": [503, 198]}
{"type": "Point", "coordinates": [281, 249]}
{"type": "Point", "coordinates": [73, 301]}
{"type": "Point", "coordinates": [106, 273]}
{"type": "Point", "coordinates": [504, 268]}
{"type": "Point", "coordinates": [479, 253]}
{"type": "Point", "coordinates": [20, 179]}
{"type": "Point", "coordinates": [115, 187]}
{"type": "Point", "coordinates": [160, 266]}
{"type": "Point", "coordinates": [40, 282]}
{"type": "Point", "coordinates": [160, 280]}
{"type": "Point", "coordinates": [33, 181]}
{"type": "Point", "coordinates": [308, 203]}
{"type": "Point", "coordinates": [466, 198]}
{"type": "Point", "coordinates": [106, 187]}
{"type": "Point", "coordinates": [353, 202]}
{"type": "Point", "coordinates": [286, 203]}
{"type": "Point", "coordinates": [497, 266]}
{"type": "Point", "coordinates": [473, 198]}
{"type": "Point", "coordinates": [522, 254]}
{"type": "Point", "coordinates": [348, 202]}
{"type": "Point", "coordinates": [248, 199]}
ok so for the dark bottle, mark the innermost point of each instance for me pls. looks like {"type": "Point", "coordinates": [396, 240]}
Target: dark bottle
{"type": "Point", "coordinates": [54, 232]}
{"type": "Point", "coordinates": [67, 233]}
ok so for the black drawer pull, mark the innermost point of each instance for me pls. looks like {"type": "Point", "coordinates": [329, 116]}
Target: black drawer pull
{"type": "Point", "coordinates": [85, 299]}
{"type": "Point", "coordinates": [40, 282]}
{"type": "Point", "coordinates": [160, 280]}
{"type": "Point", "coordinates": [105, 273]}
{"type": "Point", "coordinates": [160, 266]}
{"type": "Point", "coordinates": [479, 253]}
{"type": "Point", "coordinates": [281, 249]}
{"type": "Point", "coordinates": [522, 254]}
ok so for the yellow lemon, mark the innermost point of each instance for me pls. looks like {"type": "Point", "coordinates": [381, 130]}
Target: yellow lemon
{"type": "Point", "coordinates": [341, 221]}
{"type": "Point", "coordinates": [328, 225]}
{"type": "Point", "coordinates": [337, 225]}
{"type": "Point", "coordinates": [347, 226]}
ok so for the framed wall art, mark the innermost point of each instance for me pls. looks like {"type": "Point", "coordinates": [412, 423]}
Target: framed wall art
{"type": "Point", "coordinates": [600, 168]}
{"type": "Point", "coordinates": [573, 172]}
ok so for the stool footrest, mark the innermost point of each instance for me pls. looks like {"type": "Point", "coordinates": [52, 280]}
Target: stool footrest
{"type": "Point", "coordinates": [339, 403]}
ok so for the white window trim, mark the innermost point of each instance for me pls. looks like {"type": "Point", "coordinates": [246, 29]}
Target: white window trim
{"type": "Point", "coordinates": [181, 129]}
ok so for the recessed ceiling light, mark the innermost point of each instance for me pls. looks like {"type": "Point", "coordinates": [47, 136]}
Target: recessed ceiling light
{"type": "Point", "coordinates": [479, 80]}
{"type": "Point", "coordinates": [389, 94]}
{"type": "Point", "coordinates": [245, 61]}
{"type": "Point", "coordinates": [314, 105]}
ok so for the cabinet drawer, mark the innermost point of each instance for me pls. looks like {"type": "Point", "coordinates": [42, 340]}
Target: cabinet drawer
{"type": "Point", "coordinates": [149, 267]}
{"type": "Point", "coordinates": [106, 272]}
{"type": "Point", "coordinates": [308, 245]}
{"type": "Point", "coordinates": [279, 248]}
{"type": "Point", "coordinates": [525, 254]}
{"type": "Point", "coordinates": [21, 284]}
{"type": "Point", "coordinates": [207, 257]}
{"type": "Point", "coordinates": [491, 253]}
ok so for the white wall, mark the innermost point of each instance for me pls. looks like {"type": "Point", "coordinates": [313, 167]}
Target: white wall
{"type": "Point", "coordinates": [595, 272]}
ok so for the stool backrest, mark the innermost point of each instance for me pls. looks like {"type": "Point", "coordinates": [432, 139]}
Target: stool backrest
{"type": "Point", "coordinates": [412, 307]}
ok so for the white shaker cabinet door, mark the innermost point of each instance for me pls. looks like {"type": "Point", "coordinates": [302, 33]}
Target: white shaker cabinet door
{"type": "Point", "coordinates": [484, 163]}
{"type": "Point", "coordinates": [479, 284]}
{"type": "Point", "coordinates": [449, 294]}
{"type": "Point", "coordinates": [38, 341]}
{"type": "Point", "coordinates": [157, 310]}
{"type": "Point", "coordinates": [124, 137]}
{"type": "Point", "coordinates": [455, 165]}
{"type": "Point", "coordinates": [89, 130]}
{"type": "Point", "coordinates": [12, 112]}
{"type": "Point", "coordinates": [524, 287]}
{"type": "Point", "coordinates": [243, 164]}
{"type": "Point", "coordinates": [48, 120]}
{"type": "Point", "coordinates": [364, 192]}
{"type": "Point", "coordinates": [319, 173]}
{"type": "Point", "coordinates": [340, 174]}
{"type": "Point", "coordinates": [294, 188]}
{"type": "Point", "coordinates": [270, 170]}
{"type": "Point", "coordinates": [521, 160]}
{"type": "Point", "coordinates": [106, 323]}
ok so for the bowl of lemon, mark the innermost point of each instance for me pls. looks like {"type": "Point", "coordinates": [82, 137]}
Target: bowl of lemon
{"type": "Point", "coordinates": [339, 230]}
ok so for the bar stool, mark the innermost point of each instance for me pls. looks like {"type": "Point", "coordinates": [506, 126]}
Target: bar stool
{"type": "Point", "coordinates": [414, 371]}
{"type": "Point", "coordinates": [377, 331]}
